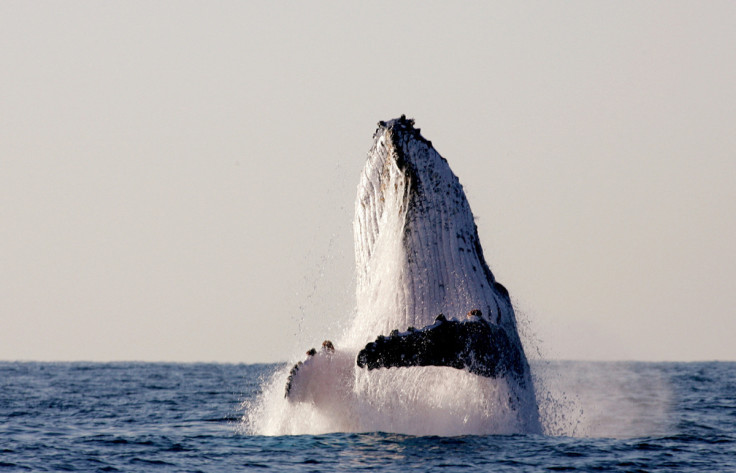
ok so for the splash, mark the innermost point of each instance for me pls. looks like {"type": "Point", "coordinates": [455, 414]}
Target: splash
{"type": "Point", "coordinates": [417, 255]}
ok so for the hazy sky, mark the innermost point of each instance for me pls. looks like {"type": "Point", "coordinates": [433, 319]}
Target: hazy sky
{"type": "Point", "coordinates": [177, 178]}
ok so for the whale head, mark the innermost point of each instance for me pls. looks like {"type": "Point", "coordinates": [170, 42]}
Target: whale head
{"type": "Point", "coordinates": [417, 249]}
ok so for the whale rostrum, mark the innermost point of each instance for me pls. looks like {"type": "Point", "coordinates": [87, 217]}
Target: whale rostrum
{"type": "Point", "coordinates": [418, 256]}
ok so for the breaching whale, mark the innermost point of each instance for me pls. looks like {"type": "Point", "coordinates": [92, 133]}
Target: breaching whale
{"type": "Point", "coordinates": [425, 295]}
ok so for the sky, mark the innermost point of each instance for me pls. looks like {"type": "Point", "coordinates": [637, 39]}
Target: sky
{"type": "Point", "coordinates": [177, 178]}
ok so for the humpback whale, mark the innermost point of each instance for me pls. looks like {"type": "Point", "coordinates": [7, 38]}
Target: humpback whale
{"type": "Point", "coordinates": [426, 297]}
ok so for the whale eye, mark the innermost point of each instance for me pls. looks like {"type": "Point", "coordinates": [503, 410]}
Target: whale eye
{"type": "Point", "coordinates": [475, 313]}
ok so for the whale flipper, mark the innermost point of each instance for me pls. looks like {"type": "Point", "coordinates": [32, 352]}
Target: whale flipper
{"type": "Point", "coordinates": [317, 378]}
{"type": "Point", "coordinates": [474, 345]}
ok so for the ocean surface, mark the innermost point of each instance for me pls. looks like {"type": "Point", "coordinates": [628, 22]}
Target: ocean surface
{"type": "Point", "coordinates": [189, 417]}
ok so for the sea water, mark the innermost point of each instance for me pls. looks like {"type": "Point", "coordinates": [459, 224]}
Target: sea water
{"type": "Point", "coordinates": [189, 417]}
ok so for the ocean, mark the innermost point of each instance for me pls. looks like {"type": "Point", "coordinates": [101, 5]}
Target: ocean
{"type": "Point", "coordinates": [137, 417]}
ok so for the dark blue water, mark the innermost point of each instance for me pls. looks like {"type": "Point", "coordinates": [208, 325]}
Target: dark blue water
{"type": "Point", "coordinates": [186, 417]}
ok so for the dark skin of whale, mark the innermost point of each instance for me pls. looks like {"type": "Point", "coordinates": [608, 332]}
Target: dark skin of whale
{"type": "Point", "coordinates": [474, 345]}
